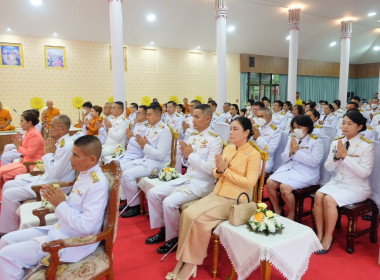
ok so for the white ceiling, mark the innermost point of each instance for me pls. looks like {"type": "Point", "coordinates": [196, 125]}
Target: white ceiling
{"type": "Point", "coordinates": [261, 25]}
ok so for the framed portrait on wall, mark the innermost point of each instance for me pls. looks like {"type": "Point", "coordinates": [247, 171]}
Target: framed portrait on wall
{"type": "Point", "coordinates": [55, 57]}
{"type": "Point", "coordinates": [125, 58]}
{"type": "Point", "coordinates": [11, 55]}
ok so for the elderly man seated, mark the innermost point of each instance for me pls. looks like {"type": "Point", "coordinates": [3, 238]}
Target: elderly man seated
{"type": "Point", "coordinates": [5, 119]}
{"type": "Point", "coordinates": [82, 214]}
{"type": "Point", "coordinates": [49, 114]}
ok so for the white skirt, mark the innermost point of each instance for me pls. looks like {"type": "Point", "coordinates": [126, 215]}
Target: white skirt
{"type": "Point", "coordinates": [283, 176]}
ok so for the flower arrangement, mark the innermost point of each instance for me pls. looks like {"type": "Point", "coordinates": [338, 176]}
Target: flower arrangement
{"type": "Point", "coordinates": [39, 166]}
{"type": "Point", "coordinates": [168, 173]}
{"type": "Point", "coordinates": [44, 202]}
{"type": "Point", "coordinates": [119, 151]}
{"type": "Point", "coordinates": [264, 220]}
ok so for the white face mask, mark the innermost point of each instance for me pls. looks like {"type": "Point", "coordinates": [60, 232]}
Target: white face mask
{"type": "Point", "coordinates": [374, 106]}
{"type": "Point", "coordinates": [260, 122]}
{"type": "Point", "coordinates": [298, 132]}
{"type": "Point", "coordinates": [248, 108]}
{"type": "Point", "coordinates": [84, 111]}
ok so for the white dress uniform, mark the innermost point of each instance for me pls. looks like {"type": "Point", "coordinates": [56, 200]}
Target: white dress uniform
{"type": "Point", "coordinates": [184, 136]}
{"type": "Point", "coordinates": [132, 118]}
{"type": "Point", "coordinates": [280, 119]}
{"type": "Point", "coordinates": [301, 169]}
{"type": "Point", "coordinates": [156, 155]}
{"type": "Point", "coordinates": [102, 133]}
{"type": "Point", "coordinates": [231, 119]}
{"type": "Point", "coordinates": [115, 135]}
{"type": "Point", "coordinates": [375, 120]}
{"type": "Point", "coordinates": [174, 120]}
{"type": "Point", "coordinates": [83, 127]}
{"type": "Point", "coordinates": [214, 119]}
{"type": "Point", "coordinates": [288, 122]}
{"type": "Point", "coordinates": [164, 200]}
{"type": "Point", "coordinates": [350, 183]}
{"type": "Point", "coordinates": [57, 168]}
{"type": "Point", "coordinates": [340, 112]}
{"type": "Point", "coordinates": [372, 112]}
{"type": "Point", "coordinates": [224, 116]}
{"type": "Point", "coordinates": [269, 135]}
{"type": "Point", "coordinates": [329, 120]}
{"type": "Point", "coordinates": [82, 214]}
{"type": "Point", "coordinates": [365, 114]}
{"type": "Point", "coordinates": [318, 131]}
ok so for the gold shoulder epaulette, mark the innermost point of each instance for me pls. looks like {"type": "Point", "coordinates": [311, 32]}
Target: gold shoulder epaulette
{"type": "Point", "coordinates": [273, 126]}
{"type": "Point", "coordinates": [194, 133]}
{"type": "Point", "coordinates": [369, 109]}
{"type": "Point", "coordinates": [293, 135]}
{"type": "Point", "coordinates": [340, 137]}
{"type": "Point", "coordinates": [94, 177]}
{"type": "Point", "coordinates": [369, 127]}
{"type": "Point", "coordinates": [376, 114]}
{"type": "Point", "coordinates": [213, 134]}
{"type": "Point", "coordinates": [315, 137]}
{"type": "Point", "coordinates": [62, 143]}
{"type": "Point", "coordinates": [130, 125]}
{"type": "Point", "coordinates": [283, 113]}
{"type": "Point", "coordinates": [318, 126]}
{"type": "Point", "coordinates": [366, 139]}
{"type": "Point", "coordinates": [123, 118]}
{"type": "Point", "coordinates": [361, 110]}
{"type": "Point", "coordinates": [177, 115]}
{"type": "Point", "coordinates": [217, 114]}
{"type": "Point", "coordinates": [113, 117]}
{"type": "Point", "coordinates": [161, 126]}
{"type": "Point", "coordinates": [147, 124]}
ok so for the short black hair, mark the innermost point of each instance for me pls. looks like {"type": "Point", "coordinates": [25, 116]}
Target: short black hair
{"type": "Point", "coordinates": [288, 103]}
{"type": "Point", "coordinates": [213, 103]}
{"type": "Point", "coordinates": [156, 107]}
{"type": "Point", "coordinates": [243, 111]}
{"type": "Point", "coordinates": [355, 104]}
{"type": "Point", "coordinates": [305, 121]}
{"type": "Point", "coordinates": [330, 106]}
{"type": "Point", "coordinates": [228, 103]}
{"type": "Point", "coordinates": [236, 107]}
{"type": "Point", "coordinates": [265, 99]}
{"type": "Point", "coordinates": [134, 105]}
{"type": "Point", "coordinates": [205, 108]}
{"type": "Point", "coordinates": [30, 116]}
{"type": "Point", "coordinates": [337, 102]}
{"type": "Point", "coordinates": [196, 102]}
{"type": "Point", "coordinates": [315, 113]}
{"type": "Point", "coordinates": [313, 105]}
{"type": "Point", "coordinates": [144, 107]}
{"type": "Point", "coordinates": [357, 98]}
{"type": "Point", "coordinates": [251, 101]}
{"type": "Point", "coordinates": [91, 145]}
{"type": "Point", "coordinates": [258, 103]}
{"type": "Point", "coordinates": [172, 102]}
{"type": "Point", "coordinates": [357, 117]}
{"type": "Point", "coordinates": [121, 104]}
{"type": "Point", "coordinates": [280, 103]}
{"type": "Point", "coordinates": [246, 124]}
{"type": "Point", "coordinates": [87, 104]}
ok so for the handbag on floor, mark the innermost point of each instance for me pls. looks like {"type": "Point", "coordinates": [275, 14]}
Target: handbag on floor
{"type": "Point", "coordinates": [240, 213]}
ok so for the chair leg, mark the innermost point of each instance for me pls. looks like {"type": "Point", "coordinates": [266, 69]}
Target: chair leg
{"type": "Point", "coordinates": [312, 215]}
{"type": "Point", "coordinates": [351, 232]}
{"type": "Point", "coordinates": [266, 270]}
{"type": "Point", "coordinates": [339, 221]}
{"type": "Point", "coordinates": [110, 275]}
{"type": "Point", "coordinates": [232, 274]}
{"type": "Point", "coordinates": [299, 210]}
{"type": "Point", "coordinates": [141, 195]}
{"type": "Point", "coordinates": [216, 256]}
{"type": "Point", "coordinates": [374, 224]}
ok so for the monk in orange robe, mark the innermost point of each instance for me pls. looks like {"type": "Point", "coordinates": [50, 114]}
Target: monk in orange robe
{"type": "Point", "coordinates": [5, 119]}
{"type": "Point", "coordinates": [49, 113]}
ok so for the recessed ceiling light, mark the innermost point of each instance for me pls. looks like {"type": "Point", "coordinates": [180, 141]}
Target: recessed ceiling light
{"type": "Point", "coordinates": [9, 29]}
{"type": "Point", "coordinates": [378, 20]}
{"type": "Point", "coordinates": [198, 47]}
{"type": "Point", "coordinates": [152, 43]}
{"type": "Point", "coordinates": [55, 33]}
{"type": "Point", "coordinates": [371, 14]}
{"type": "Point", "coordinates": [288, 37]}
{"type": "Point", "coordinates": [332, 44]}
{"type": "Point", "coordinates": [231, 28]}
{"type": "Point", "coordinates": [377, 48]}
{"type": "Point", "coordinates": [36, 2]}
{"type": "Point", "coordinates": [151, 18]}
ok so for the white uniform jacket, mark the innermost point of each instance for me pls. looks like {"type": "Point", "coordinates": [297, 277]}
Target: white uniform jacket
{"type": "Point", "coordinates": [175, 121]}
{"type": "Point", "coordinates": [116, 134]}
{"type": "Point", "coordinates": [280, 119]}
{"type": "Point", "coordinates": [269, 135]}
{"type": "Point", "coordinates": [356, 167]}
{"type": "Point", "coordinates": [330, 120]}
{"type": "Point", "coordinates": [102, 133]}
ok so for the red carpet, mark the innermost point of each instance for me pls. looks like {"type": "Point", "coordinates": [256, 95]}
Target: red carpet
{"type": "Point", "coordinates": [135, 260]}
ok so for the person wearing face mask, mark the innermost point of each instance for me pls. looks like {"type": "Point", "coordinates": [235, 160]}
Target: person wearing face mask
{"type": "Point", "coordinates": [265, 132]}
{"type": "Point", "coordinates": [374, 109]}
{"type": "Point", "coordinates": [255, 110]}
{"type": "Point", "coordinates": [302, 157]}
{"type": "Point", "coordinates": [87, 106]}
{"type": "Point", "coordinates": [351, 159]}
{"type": "Point", "coordinates": [248, 107]}
{"type": "Point", "coordinates": [329, 118]}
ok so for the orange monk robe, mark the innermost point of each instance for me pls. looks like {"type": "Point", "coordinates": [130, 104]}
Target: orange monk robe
{"type": "Point", "coordinates": [5, 116]}
{"type": "Point", "coordinates": [92, 129]}
{"type": "Point", "coordinates": [49, 115]}
{"type": "Point", "coordinates": [187, 111]}
{"type": "Point", "coordinates": [127, 112]}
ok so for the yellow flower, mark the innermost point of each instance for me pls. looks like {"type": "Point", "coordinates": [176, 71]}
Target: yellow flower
{"type": "Point", "coordinates": [167, 169]}
{"type": "Point", "coordinates": [262, 205]}
{"type": "Point", "coordinates": [78, 102]}
{"type": "Point", "coordinates": [174, 98]}
{"type": "Point", "coordinates": [37, 103]}
{"type": "Point", "coordinates": [110, 99]}
{"type": "Point", "coordinates": [199, 98]}
{"type": "Point", "coordinates": [145, 100]}
{"type": "Point", "coordinates": [269, 214]}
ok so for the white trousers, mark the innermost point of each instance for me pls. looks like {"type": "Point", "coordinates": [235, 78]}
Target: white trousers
{"type": "Point", "coordinates": [164, 207]}
{"type": "Point", "coordinates": [8, 155]}
{"type": "Point", "coordinates": [178, 163]}
{"type": "Point", "coordinates": [108, 150]}
{"type": "Point", "coordinates": [18, 252]}
{"type": "Point", "coordinates": [132, 172]}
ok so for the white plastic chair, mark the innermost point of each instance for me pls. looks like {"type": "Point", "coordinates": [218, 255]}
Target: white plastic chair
{"type": "Point", "coordinates": [223, 129]}
{"type": "Point", "coordinates": [280, 149]}
{"type": "Point", "coordinates": [325, 175]}
{"type": "Point", "coordinates": [329, 131]}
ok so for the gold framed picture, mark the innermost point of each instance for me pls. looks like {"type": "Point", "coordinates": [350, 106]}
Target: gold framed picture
{"type": "Point", "coordinates": [55, 57]}
{"type": "Point", "coordinates": [11, 55]}
{"type": "Point", "coordinates": [125, 58]}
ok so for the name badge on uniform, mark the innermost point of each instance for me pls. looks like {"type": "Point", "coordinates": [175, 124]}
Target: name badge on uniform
{"type": "Point", "coordinates": [354, 155]}
{"type": "Point", "coordinates": [304, 148]}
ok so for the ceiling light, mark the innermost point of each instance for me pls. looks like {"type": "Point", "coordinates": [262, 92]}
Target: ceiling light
{"type": "Point", "coordinates": [55, 34]}
{"type": "Point", "coordinates": [332, 44]}
{"type": "Point", "coordinates": [152, 43]}
{"type": "Point", "coordinates": [288, 37]}
{"type": "Point", "coordinates": [151, 18]}
{"type": "Point", "coordinates": [378, 20]}
{"type": "Point", "coordinates": [198, 47]}
{"type": "Point", "coordinates": [36, 2]}
{"type": "Point", "coordinates": [9, 29]}
{"type": "Point", "coordinates": [231, 28]}
{"type": "Point", "coordinates": [371, 14]}
{"type": "Point", "coordinates": [377, 48]}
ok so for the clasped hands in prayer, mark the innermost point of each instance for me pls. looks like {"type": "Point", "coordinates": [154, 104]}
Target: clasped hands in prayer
{"type": "Point", "coordinates": [17, 139]}
{"type": "Point", "coordinates": [54, 196]}
{"type": "Point", "coordinates": [49, 146]}
{"type": "Point", "coordinates": [294, 146]}
{"type": "Point", "coordinates": [341, 151]}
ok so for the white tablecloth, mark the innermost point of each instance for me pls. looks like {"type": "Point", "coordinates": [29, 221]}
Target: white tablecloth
{"type": "Point", "coordinates": [288, 251]}
{"type": "Point", "coordinates": [145, 184]}
{"type": "Point", "coordinates": [28, 220]}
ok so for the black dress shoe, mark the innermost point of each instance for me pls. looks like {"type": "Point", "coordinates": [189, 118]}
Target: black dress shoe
{"type": "Point", "coordinates": [164, 249]}
{"type": "Point", "coordinates": [159, 237]}
{"type": "Point", "coordinates": [323, 251]}
{"type": "Point", "coordinates": [131, 212]}
{"type": "Point", "coordinates": [122, 204]}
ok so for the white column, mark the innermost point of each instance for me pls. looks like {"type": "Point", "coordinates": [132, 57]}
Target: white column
{"type": "Point", "coordinates": [346, 30]}
{"type": "Point", "coordinates": [116, 23]}
{"type": "Point", "coordinates": [294, 21]}
{"type": "Point", "coordinates": [221, 49]}
{"type": "Point", "coordinates": [379, 83]}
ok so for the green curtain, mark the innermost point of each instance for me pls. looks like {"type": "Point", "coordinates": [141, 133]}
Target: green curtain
{"type": "Point", "coordinates": [243, 89]}
{"type": "Point", "coordinates": [366, 87]}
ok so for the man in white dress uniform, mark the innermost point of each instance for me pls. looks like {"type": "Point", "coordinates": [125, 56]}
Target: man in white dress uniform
{"type": "Point", "coordinates": [156, 145]}
{"type": "Point", "coordinates": [199, 156]}
{"type": "Point", "coordinates": [215, 115]}
{"type": "Point", "coordinates": [115, 129]}
{"type": "Point", "coordinates": [279, 117]}
{"type": "Point", "coordinates": [58, 150]}
{"type": "Point", "coordinates": [102, 133]}
{"type": "Point", "coordinates": [172, 118]}
{"type": "Point", "coordinates": [82, 214]}
{"type": "Point", "coordinates": [86, 117]}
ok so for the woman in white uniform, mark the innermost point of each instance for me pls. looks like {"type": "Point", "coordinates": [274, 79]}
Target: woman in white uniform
{"type": "Point", "coordinates": [350, 183]}
{"type": "Point", "coordinates": [302, 157]}
{"type": "Point", "coordinates": [329, 118]}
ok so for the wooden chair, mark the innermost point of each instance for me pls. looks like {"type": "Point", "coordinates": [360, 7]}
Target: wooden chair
{"type": "Point", "coordinates": [257, 197]}
{"type": "Point", "coordinates": [28, 165]}
{"type": "Point", "coordinates": [99, 264]}
{"type": "Point", "coordinates": [173, 159]}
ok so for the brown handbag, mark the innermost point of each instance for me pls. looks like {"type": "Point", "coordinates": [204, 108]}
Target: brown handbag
{"type": "Point", "coordinates": [240, 213]}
